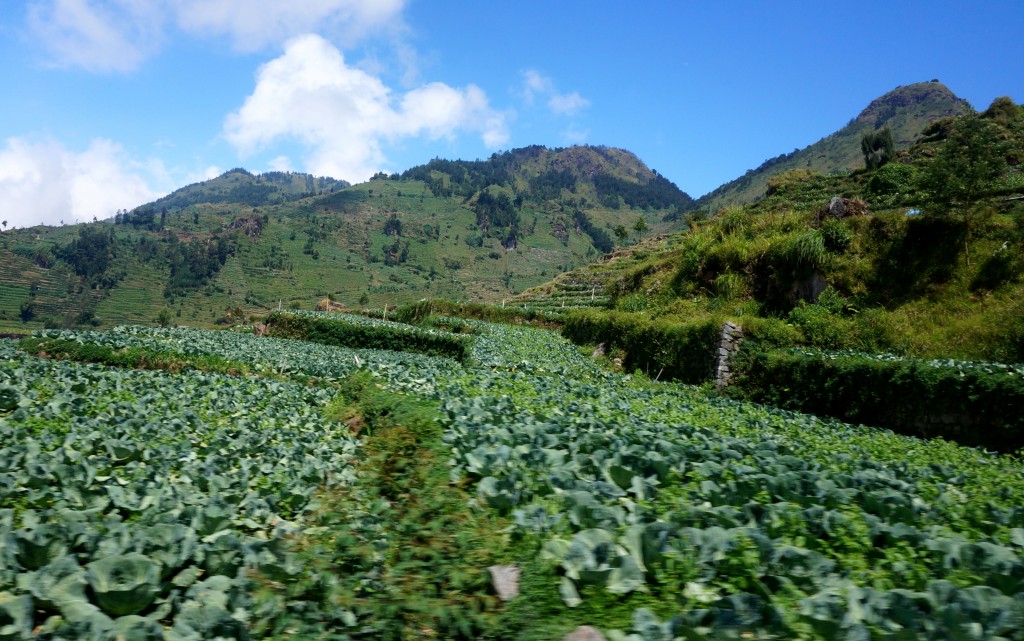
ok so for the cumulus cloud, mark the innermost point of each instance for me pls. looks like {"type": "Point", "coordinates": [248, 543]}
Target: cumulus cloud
{"type": "Point", "coordinates": [45, 183]}
{"type": "Point", "coordinates": [536, 84]}
{"type": "Point", "coordinates": [344, 115]}
{"type": "Point", "coordinates": [575, 136]}
{"type": "Point", "coordinates": [119, 35]}
{"type": "Point", "coordinates": [281, 163]}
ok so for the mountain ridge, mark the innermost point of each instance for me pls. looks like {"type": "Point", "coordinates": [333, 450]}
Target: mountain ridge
{"type": "Point", "coordinates": [243, 243]}
{"type": "Point", "coordinates": [466, 230]}
{"type": "Point", "coordinates": [906, 111]}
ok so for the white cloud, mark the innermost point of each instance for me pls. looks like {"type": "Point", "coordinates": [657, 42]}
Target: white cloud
{"type": "Point", "coordinates": [254, 24]}
{"type": "Point", "coordinates": [344, 116]}
{"type": "Point", "coordinates": [180, 178]}
{"type": "Point", "coordinates": [564, 104]}
{"type": "Point", "coordinates": [567, 104]}
{"type": "Point", "coordinates": [535, 83]}
{"type": "Point", "coordinates": [575, 136]}
{"type": "Point", "coordinates": [119, 35]}
{"type": "Point", "coordinates": [211, 172]}
{"type": "Point", "coordinates": [97, 35]}
{"type": "Point", "coordinates": [44, 183]}
{"type": "Point", "coordinates": [281, 163]}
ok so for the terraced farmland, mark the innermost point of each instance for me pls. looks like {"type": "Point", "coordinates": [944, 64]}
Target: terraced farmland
{"type": "Point", "coordinates": [648, 510]}
{"type": "Point", "coordinates": [565, 295]}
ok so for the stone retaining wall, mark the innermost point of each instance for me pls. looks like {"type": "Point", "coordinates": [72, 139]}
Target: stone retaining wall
{"type": "Point", "coordinates": [728, 343]}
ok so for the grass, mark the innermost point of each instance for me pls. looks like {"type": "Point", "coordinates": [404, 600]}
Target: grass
{"type": "Point", "coordinates": [431, 556]}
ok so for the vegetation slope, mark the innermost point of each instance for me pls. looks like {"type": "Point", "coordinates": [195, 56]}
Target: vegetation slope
{"type": "Point", "coordinates": [905, 111]}
{"type": "Point", "coordinates": [921, 256]}
{"type": "Point", "coordinates": [241, 243]}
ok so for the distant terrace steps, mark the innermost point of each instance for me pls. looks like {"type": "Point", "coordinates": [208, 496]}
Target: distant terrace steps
{"type": "Point", "coordinates": [565, 295]}
{"type": "Point", "coordinates": [56, 291]}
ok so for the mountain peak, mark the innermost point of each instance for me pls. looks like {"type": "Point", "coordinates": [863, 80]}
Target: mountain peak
{"type": "Point", "coordinates": [934, 96]}
{"type": "Point", "coordinates": [906, 111]}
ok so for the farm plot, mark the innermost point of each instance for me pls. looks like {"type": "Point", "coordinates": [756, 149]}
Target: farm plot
{"type": "Point", "coordinates": [282, 357]}
{"type": "Point", "coordinates": [685, 516]}
{"type": "Point", "coordinates": [135, 502]}
{"type": "Point", "coordinates": [738, 520]}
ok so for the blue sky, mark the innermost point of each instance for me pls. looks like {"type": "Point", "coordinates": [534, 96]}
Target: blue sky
{"type": "Point", "coordinates": [111, 103]}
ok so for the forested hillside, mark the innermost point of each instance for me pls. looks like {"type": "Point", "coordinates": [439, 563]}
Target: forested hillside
{"type": "Point", "coordinates": [243, 243]}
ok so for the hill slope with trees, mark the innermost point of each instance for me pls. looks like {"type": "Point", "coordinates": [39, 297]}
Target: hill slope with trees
{"type": "Point", "coordinates": [905, 112]}
{"type": "Point", "coordinates": [242, 243]}
{"type": "Point", "coordinates": [919, 256]}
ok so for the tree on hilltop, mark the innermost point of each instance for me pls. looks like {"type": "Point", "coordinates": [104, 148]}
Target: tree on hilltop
{"type": "Point", "coordinates": [621, 233]}
{"type": "Point", "coordinates": [964, 168]}
{"type": "Point", "coordinates": [878, 147]}
{"type": "Point", "coordinates": [640, 226]}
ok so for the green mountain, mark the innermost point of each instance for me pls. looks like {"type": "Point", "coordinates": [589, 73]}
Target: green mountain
{"type": "Point", "coordinates": [240, 187]}
{"type": "Point", "coordinates": [906, 112]}
{"type": "Point", "coordinates": [242, 243]}
{"type": "Point", "coordinates": [921, 256]}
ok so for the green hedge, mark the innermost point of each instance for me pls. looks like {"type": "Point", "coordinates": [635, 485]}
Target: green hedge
{"type": "Point", "coordinates": [338, 331]}
{"type": "Point", "coordinates": [128, 357]}
{"type": "Point", "coordinates": [662, 349]}
{"type": "Point", "coordinates": [971, 406]}
{"type": "Point", "coordinates": [416, 312]}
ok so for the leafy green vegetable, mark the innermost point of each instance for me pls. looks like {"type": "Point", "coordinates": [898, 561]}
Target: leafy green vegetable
{"type": "Point", "coordinates": [124, 584]}
{"type": "Point", "coordinates": [15, 616]}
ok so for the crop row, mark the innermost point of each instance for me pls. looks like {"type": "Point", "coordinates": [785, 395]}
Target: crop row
{"type": "Point", "coordinates": [283, 357]}
{"type": "Point", "coordinates": [346, 330]}
{"type": "Point", "coordinates": [987, 367]}
{"type": "Point", "coordinates": [979, 404]}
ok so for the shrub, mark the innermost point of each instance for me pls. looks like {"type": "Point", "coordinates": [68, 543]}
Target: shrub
{"type": "Point", "coordinates": [878, 147]}
{"type": "Point", "coordinates": [820, 326]}
{"type": "Point", "coordinates": [832, 301]}
{"type": "Point", "coordinates": [732, 220]}
{"type": "Point", "coordinates": [892, 180]}
{"type": "Point", "coordinates": [789, 179]}
{"type": "Point", "coordinates": [1002, 110]}
{"type": "Point", "coordinates": [730, 286]}
{"type": "Point", "coordinates": [635, 302]}
{"type": "Point", "coordinates": [971, 405]}
{"type": "Point", "coordinates": [768, 332]}
{"type": "Point", "coordinates": [803, 253]}
{"type": "Point", "coordinates": [876, 330]}
{"type": "Point", "coordinates": [662, 349]}
{"type": "Point", "coordinates": [836, 236]}
{"type": "Point", "coordinates": [1004, 266]}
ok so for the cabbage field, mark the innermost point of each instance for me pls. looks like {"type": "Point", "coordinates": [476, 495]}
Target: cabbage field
{"type": "Point", "coordinates": [179, 503]}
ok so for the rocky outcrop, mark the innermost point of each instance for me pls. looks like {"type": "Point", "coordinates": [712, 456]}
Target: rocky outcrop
{"type": "Point", "coordinates": [839, 208]}
{"type": "Point", "coordinates": [328, 305]}
{"type": "Point", "coordinates": [251, 226]}
{"type": "Point", "coordinates": [585, 633]}
{"type": "Point", "coordinates": [505, 579]}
